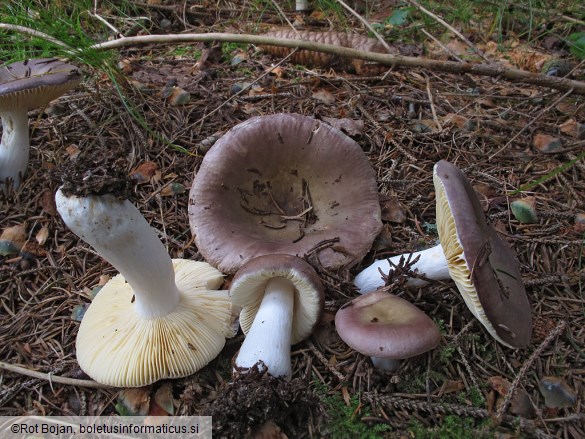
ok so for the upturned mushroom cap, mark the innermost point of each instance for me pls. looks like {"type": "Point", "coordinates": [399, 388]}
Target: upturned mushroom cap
{"type": "Point", "coordinates": [117, 347]}
{"type": "Point", "coordinates": [35, 82]}
{"type": "Point", "coordinates": [382, 325]}
{"type": "Point", "coordinates": [480, 262]}
{"type": "Point", "coordinates": [249, 283]}
{"type": "Point", "coordinates": [284, 183]}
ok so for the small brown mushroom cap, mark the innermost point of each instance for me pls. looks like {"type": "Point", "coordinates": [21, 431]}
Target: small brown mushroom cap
{"type": "Point", "coordinates": [480, 262]}
{"type": "Point", "coordinates": [35, 82]}
{"type": "Point", "coordinates": [383, 325]}
{"type": "Point", "coordinates": [249, 283]}
{"type": "Point", "coordinates": [284, 183]}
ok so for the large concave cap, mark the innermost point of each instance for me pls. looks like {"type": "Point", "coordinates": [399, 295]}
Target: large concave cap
{"type": "Point", "coordinates": [35, 82]}
{"type": "Point", "coordinates": [482, 265]}
{"type": "Point", "coordinates": [382, 325]}
{"type": "Point", "coordinates": [284, 183]}
{"type": "Point", "coordinates": [116, 346]}
{"type": "Point", "coordinates": [249, 283]}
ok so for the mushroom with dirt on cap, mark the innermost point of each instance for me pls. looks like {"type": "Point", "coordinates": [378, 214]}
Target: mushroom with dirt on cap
{"type": "Point", "coordinates": [387, 328]}
{"type": "Point", "coordinates": [284, 183]}
{"type": "Point", "coordinates": [25, 85]}
{"type": "Point", "coordinates": [282, 299]}
{"type": "Point", "coordinates": [474, 255]}
{"type": "Point", "coordinates": [159, 318]}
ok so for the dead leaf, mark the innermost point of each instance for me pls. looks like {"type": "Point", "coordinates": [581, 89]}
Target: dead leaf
{"type": "Point", "coordinates": [164, 398]}
{"type": "Point", "coordinates": [47, 202]}
{"type": "Point", "coordinates": [12, 240]}
{"type": "Point", "coordinates": [351, 127]}
{"type": "Point", "coordinates": [73, 151]}
{"type": "Point", "coordinates": [178, 97]}
{"type": "Point", "coordinates": [527, 58]}
{"type": "Point", "coordinates": [520, 403]}
{"type": "Point", "coordinates": [324, 96]}
{"type": "Point", "coordinates": [134, 402]}
{"type": "Point", "coordinates": [392, 209]}
{"type": "Point", "coordinates": [346, 396]}
{"type": "Point", "coordinates": [277, 71]}
{"type": "Point", "coordinates": [143, 172]}
{"type": "Point", "coordinates": [458, 47]}
{"type": "Point", "coordinates": [156, 415]}
{"type": "Point", "coordinates": [33, 249]}
{"type": "Point", "coordinates": [566, 107]}
{"type": "Point", "coordinates": [238, 57]}
{"type": "Point", "coordinates": [459, 121]}
{"type": "Point", "coordinates": [42, 235]}
{"type": "Point", "coordinates": [573, 129]}
{"type": "Point", "coordinates": [556, 392]}
{"type": "Point", "coordinates": [126, 66]}
{"type": "Point", "coordinates": [546, 143]}
{"type": "Point", "coordinates": [104, 279]}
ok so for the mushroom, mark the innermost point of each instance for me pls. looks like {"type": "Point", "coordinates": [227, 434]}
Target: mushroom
{"type": "Point", "coordinates": [282, 299]}
{"type": "Point", "coordinates": [26, 85]}
{"type": "Point", "coordinates": [472, 253]}
{"type": "Point", "coordinates": [386, 327]}
{"type": "Point", "coordinates": [284, 183]}
{"type": "Point", "coordinates": [159, 318]}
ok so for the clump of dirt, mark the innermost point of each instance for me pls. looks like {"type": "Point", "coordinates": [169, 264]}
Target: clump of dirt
{"type": "Point", "coordinates": [96, 172]}
{"type": "Point", "coordinates": [254, 397]}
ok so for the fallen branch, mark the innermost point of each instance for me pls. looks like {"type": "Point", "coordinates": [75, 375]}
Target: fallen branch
{"type": "Point", "coordinates": [491, 70]}
{"type": "Point", "coordinates": [52, 378]}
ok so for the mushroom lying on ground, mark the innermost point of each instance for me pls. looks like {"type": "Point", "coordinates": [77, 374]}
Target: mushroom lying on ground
{"type": "Point", "coordinates": [282, 299]}
{"type": "Point", "coordinates": [26, 85]}
{"type": "Point", "coordinates": [387, 328]}
{"type": "Point", "coordinates": [472, 253]}
{"type": "Point", "coordinates": [284, 183]}
{"type": "Point", "coordinates": [158, 318]}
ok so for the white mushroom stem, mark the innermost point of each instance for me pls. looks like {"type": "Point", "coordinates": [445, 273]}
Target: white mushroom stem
{"type": "Point", "coordinates": [14, 147]}
{"type": "Point", "coordinates": [431, 263]}
{"type": "Point", "coordinates": [387, 364]}
{"type": "Point", "coordinates": [269, 338]}
{"type": "Point", "coordinates": [120, 234]}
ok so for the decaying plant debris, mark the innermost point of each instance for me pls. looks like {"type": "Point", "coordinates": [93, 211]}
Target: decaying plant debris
{"type": "Point", "coordinates": [411, 119]}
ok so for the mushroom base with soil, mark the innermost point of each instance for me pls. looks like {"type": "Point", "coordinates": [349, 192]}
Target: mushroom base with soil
{"type": "Point", "coordinates": [269, 339]}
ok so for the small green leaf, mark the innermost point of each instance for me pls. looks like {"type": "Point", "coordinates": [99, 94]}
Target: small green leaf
{"type": "Point", "coordinates": [576, 43]}
{"type": "Point", "coordinates": [524, 210]}
{"type": "Point", "coordinates": [399, 17]}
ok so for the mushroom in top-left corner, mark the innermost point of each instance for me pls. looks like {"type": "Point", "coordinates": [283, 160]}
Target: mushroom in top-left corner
{"type": "Point", "coordinates": [25, 85]}
{"type": "Point", "coordinates": [160, 317]}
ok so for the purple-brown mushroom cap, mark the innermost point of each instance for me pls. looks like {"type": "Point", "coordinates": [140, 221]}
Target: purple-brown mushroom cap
{"type": "Point", "coordinates": [36, 82]}
{"type": "Point", "coordinates": [383, 325]}
{"type": "Point", "coordinates": [284, 183]}
{"type": "Point", "coordinates": [482, 265]}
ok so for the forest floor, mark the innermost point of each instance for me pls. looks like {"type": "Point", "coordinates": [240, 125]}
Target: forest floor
{"type": "Point", "coordinates": [512, 141]}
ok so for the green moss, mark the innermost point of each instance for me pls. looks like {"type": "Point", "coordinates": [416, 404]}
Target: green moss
{"type": "Point", "coordinates": [452, 427]}
{"type": "Point", "coordinates": [343, 421]}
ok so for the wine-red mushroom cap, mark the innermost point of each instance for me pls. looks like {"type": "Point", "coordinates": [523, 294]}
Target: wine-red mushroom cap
{"type": "Point", "coordinates": [284, 183]}
{"type": "Point", "coordinates": [36, 82]}
{"type": "Point", "coordinates": [482, 265]}
{"type": "Point", "coordinates": [383, 325]}
{"type": "Point", "coordinates": [248, 286]}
